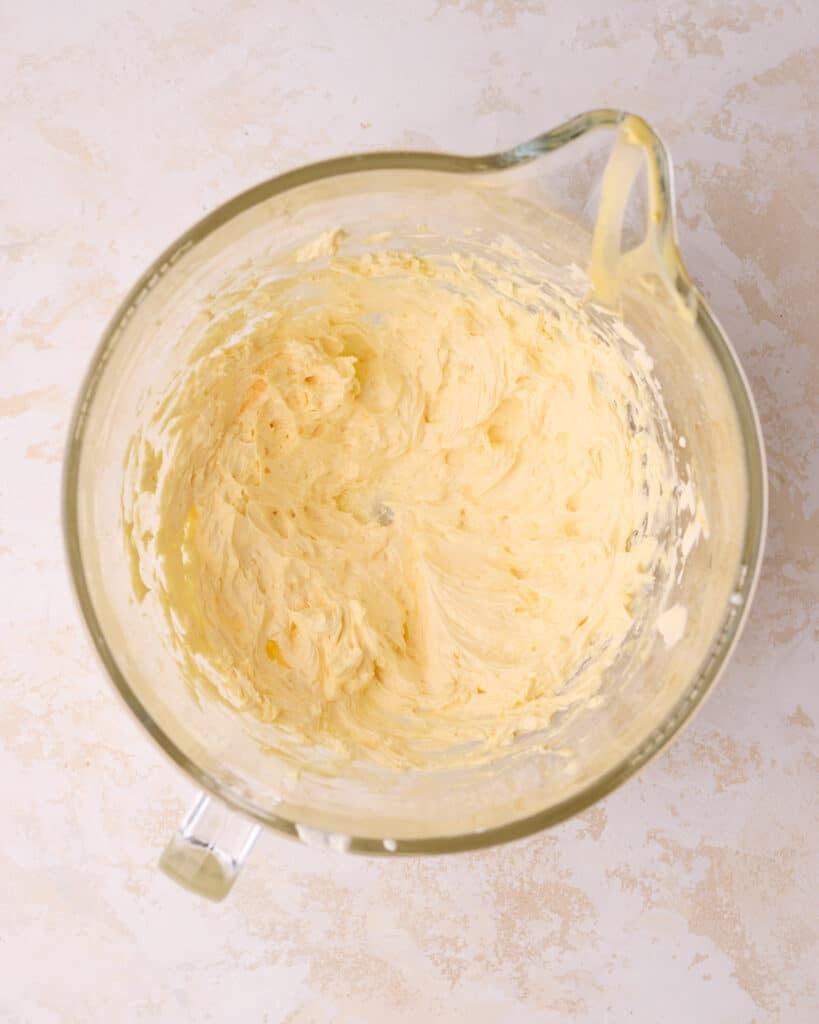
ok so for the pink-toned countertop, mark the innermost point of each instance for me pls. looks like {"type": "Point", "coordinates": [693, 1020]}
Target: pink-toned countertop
{"type": "Point", "coordinates": [691, 894]}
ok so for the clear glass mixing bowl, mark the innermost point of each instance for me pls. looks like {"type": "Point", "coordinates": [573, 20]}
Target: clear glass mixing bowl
{"type": "Point", "coordinates": [598, 186]}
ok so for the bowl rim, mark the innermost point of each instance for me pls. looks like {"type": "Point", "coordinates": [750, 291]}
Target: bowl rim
{"type": "Point", "coordinates": [734, 616]}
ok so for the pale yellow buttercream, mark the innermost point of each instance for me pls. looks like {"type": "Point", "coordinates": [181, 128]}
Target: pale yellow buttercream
{"type": "Point", "coordinates": [400, 506]}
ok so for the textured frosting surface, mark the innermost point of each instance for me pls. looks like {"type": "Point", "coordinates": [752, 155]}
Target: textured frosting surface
{"type": "Point", "coordinates": [401, 506]}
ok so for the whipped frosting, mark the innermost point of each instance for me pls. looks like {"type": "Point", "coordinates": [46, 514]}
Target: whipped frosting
{"type": "Point", "coordinates": [403, 506]}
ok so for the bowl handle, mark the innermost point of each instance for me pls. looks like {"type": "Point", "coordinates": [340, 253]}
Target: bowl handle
{"type": "Point", "coordinates": [657, 253]}
{"type": "Point", "coordinates": [209, 848]}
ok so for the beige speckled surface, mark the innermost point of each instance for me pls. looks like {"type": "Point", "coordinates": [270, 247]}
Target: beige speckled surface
{"type": "Point", "coordinates": [690, 894]}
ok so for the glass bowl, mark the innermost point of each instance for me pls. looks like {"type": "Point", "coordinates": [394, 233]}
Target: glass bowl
{"type": "Point", "coordinates": [596, 193]}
